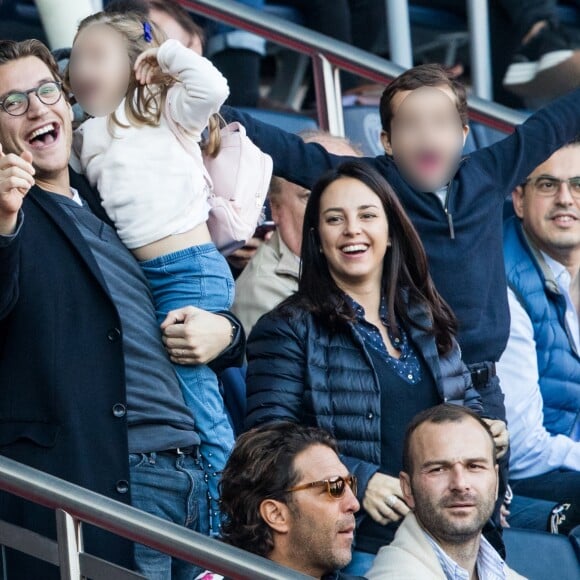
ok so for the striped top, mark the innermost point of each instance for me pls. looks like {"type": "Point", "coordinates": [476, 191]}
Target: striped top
{"type": "Point", "coordinates": [490, 565]}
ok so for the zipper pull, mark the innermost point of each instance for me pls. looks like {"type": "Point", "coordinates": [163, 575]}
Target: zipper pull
{"type": "Point", "coordinates": [450, 223]}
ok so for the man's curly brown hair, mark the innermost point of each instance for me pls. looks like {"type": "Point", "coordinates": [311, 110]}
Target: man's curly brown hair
{"type": "Point", "coordinates": [261, 467]}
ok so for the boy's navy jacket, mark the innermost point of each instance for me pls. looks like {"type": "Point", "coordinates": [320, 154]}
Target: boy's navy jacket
{"type": "Point", "coordinates": [463, 237]}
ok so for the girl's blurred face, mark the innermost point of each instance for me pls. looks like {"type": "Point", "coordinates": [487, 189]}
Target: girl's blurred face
{"type": "Point", "coordinates": [99, 69]}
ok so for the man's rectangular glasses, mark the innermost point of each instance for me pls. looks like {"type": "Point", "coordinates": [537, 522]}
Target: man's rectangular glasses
{"type": "Point", "coordinates": [17, 102]}
{"type": "Point", "coordinates": [335, 487]}
{"type": "Point", "coordinates": [547, 186]}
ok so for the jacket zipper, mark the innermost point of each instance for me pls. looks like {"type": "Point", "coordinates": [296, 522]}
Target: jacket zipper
{"type": "Point", "coordinates": [448, 213]}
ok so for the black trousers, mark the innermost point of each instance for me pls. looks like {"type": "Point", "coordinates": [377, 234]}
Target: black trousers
{"type": "Point", "coordinates": [357, 22]}
{"type": "Point", "coordinates": [509, 21]}
{"type": "Point", "coordinates": [517, 15]}
{"type": "Point", "coordinates": [558, 486]}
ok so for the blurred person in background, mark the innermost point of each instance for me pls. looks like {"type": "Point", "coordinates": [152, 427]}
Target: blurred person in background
{"type": "Point", "coordinates": [533, 57]}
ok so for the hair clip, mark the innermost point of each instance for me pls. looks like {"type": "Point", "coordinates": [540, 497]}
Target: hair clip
{"type": "Point", "coordinates": [147, 32]}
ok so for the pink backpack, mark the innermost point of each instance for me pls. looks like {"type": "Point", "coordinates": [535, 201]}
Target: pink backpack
{"type": "Point", "coordinates": [241, 175]}
{"type": "Point", "coordinates": [238, 180]}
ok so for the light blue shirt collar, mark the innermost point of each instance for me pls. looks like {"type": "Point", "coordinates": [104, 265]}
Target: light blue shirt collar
{"type": "Point", "coordinates": [563, 278]}
{"type": "Point", "coordinates": [490, 565]}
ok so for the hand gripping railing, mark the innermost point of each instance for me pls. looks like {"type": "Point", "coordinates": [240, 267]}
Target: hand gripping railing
{"type": "Point", "coordinates": [328, 56]}
{"type": "Point", "coordinates": [74, 504]}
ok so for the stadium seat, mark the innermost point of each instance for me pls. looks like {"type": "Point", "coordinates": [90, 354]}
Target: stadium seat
{"type": "Point", "coordinates": [435, 18]}
{"type": "Point", "coordinates": [568, 14]}
{"type": "Point", "coordinates": [481, 136]}
{"type": "Point", "coordinates": [20, 10]}
{"type": "Point", "coordinates": [291, 122]}
{"type": "Point", "coordinates": [362, 125]}
{"type": "Point", "coordinates": [541, 556]}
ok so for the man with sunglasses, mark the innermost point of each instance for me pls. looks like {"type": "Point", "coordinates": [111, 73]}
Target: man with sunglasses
{"type": "Point", "coordinates": [540, 368]}
{"type": "Point", "coordinates": [87, 391]}
{"type": "Point", "coordinates": [286, 495]}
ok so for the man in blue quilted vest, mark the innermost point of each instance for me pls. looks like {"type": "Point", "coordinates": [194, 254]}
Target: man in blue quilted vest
{"type": "Point", "coordinates": [540, 368]}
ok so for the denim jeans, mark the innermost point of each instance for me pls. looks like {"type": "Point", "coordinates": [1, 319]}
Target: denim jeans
{"type": "Point", "coordinates": [198, 276]}
{"type": "Point", "coordinates": [171, 487]}
{"type": "Point", "coordinates": [217, 28]}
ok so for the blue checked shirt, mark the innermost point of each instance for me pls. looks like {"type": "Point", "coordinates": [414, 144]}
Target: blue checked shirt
{"type": "Point", "coordinates": [407, 366]}
{"type": "Point", "coordinates": [489, 564]}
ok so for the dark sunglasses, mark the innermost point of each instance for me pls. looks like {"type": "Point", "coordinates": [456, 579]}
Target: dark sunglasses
{"type": "Point", "coordinates": [335, 487]}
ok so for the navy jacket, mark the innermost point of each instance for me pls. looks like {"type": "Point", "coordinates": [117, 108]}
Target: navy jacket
{"type": "Point", "coordinates": [61, 372]}
{"type": "Point", "coordinates": [299, 370]}
{"type": "Point", "coordinates": [463, 239]}
{"type": "Point", "coordinates": [558, 360]}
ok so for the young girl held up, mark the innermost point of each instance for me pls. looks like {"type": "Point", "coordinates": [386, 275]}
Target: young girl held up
{"type": "Point", "coordinates": [129, 80]}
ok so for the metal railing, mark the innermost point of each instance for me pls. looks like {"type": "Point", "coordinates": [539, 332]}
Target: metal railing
{"type": "Point", "coordinates": [478, 25]}
{"type": "Point", "coordinates": [74, 504]}
{"type": "Point", "coordinates": [328, 56]}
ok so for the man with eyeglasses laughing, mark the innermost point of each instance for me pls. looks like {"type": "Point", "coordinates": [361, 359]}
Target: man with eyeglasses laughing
{"type": "Point", "coordinates": [87, 390]}
{"type": "Point", "coordinates": [286, 495]}
{"type": "Point", "coordinates": [540, 368]}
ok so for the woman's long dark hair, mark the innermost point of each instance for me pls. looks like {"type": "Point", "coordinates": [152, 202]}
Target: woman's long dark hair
{"type": "Point", "coordinates": [405, 279]}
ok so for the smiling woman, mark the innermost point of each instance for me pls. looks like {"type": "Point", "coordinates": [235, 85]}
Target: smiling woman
{"type": "Point", "coordinates": [354, 234]}
{"type": "Point", "coordinates": [364, 344]}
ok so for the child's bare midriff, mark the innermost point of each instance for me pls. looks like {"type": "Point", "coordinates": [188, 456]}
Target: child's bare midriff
{"type": "Point", "coordinates": [195, 237]}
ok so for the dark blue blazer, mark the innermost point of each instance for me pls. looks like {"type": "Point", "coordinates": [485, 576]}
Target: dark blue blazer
{"type": "Point", "coordinates": [62, 370]}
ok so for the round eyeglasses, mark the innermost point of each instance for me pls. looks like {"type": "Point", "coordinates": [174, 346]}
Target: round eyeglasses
{"type": "Point", "coordinates": [18, 102]}
{"type": "Point", "coordinates": [335, 487]}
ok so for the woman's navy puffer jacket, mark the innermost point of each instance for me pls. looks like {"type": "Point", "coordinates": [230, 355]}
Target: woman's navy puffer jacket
{"type": "Point", "coordinates": [299, 370]}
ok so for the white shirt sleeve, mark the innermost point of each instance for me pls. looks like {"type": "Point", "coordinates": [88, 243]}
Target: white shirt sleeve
{"type": "Point", "coordinates": [533, 450]}
{"type": "Point", "coordinates": [203, 88]}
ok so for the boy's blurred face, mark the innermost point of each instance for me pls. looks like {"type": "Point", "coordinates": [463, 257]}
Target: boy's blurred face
{"type": "Point", "coordinates": [427, 136]}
